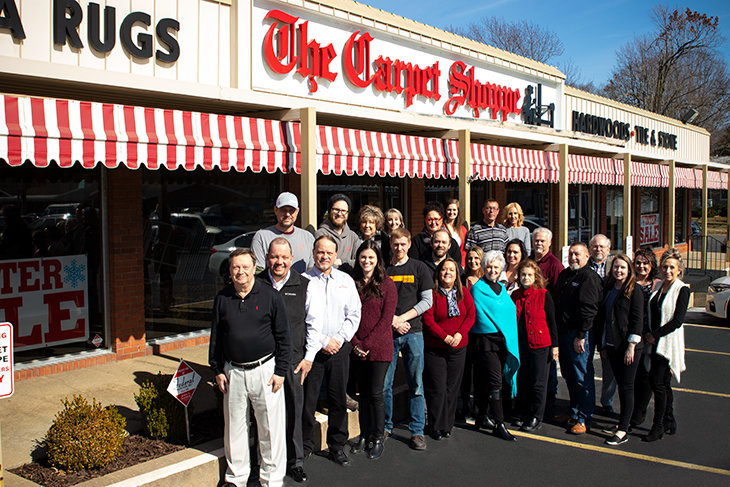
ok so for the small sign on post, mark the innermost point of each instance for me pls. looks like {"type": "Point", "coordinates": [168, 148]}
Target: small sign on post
{"type": "Point", "coordinates": [7, 380]}
{"type": "Point", "coordinates": [182, 387]}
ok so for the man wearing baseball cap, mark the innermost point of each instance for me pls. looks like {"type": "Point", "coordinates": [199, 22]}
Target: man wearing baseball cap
{"type": "Point", "coordinates": [286, 210]}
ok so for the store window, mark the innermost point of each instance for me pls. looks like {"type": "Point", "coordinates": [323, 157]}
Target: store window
{"type": "Point", "coordinates": [383, 192]}
{"type": "Point", "coordinates": [192, 221]}
{"type": "Point", "coordinates": [51, 260]}
{"type": "Point", "coordinates": [681, 215]}
{"type": "Point", "coordinates": [533, 198]}
{"type": "Point", "coordinates": [580, 213]}
{"type": "Point", "coordinates": [615, 217]}
{"type": "Point", "coordinates": [650, 221]}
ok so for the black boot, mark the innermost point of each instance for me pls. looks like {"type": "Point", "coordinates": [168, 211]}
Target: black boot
{"type": "Point", "coordinates": [376, 450]}
{"type": "Point", "coordinates": [501, 431]}
{"type": "Point", "coordinates": [359, 446]}
{"type": "Point", "coordinates": [656, 433]}
{"type": "Point", "coordinates": [670, 425]}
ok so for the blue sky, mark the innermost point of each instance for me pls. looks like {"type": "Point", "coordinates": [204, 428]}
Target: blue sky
{"type": "Point", "coordinates": [591, 31]}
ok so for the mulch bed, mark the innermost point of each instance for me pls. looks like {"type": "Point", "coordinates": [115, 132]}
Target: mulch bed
{"type": "Point", "coordinates": [136, 449]}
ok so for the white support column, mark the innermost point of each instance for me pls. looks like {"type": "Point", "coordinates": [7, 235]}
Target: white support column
{"type": "Point", "coordinates": [704, 218]}
{"type": "Point", "coordinates": [627, 199]}
{"type": "Point", "coordinates": [727, 230]}
{"type": "Point", "coordinates": [671, 205]}
{"type": "Point", "coordinates": [308, 211]}
{"type": "Point", "coordinates": [562, 234]}
{"type": "Point", "coordinates": [464, 174]}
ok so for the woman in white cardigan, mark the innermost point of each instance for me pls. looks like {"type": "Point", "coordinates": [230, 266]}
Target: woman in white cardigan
{"type": "Point", "coordinates": [665, 342]}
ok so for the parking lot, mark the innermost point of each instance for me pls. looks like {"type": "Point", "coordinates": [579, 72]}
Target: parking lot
{"type": "Point", "coordinates": [699, 454]}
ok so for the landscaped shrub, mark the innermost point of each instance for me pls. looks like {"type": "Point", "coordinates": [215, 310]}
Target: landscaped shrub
{"type": "Point", "coordinates": [163, 416]}
{"type": "Point", "coordinates": [85, 435]}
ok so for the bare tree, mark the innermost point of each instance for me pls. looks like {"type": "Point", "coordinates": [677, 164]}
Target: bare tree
{"type": "Point", "coordinates": [675, 68]}
{"type": "Point", "coordinates": [574, 77]}
{"type": "Point", "coordinates": [520, 37]}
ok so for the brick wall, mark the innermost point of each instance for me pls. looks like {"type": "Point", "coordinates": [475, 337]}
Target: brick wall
{"type": "Point", "coordinates": [126, 263]}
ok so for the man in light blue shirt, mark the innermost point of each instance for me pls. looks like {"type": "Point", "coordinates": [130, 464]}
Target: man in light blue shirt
{"type": "Point", "coordinates": [333, 316]}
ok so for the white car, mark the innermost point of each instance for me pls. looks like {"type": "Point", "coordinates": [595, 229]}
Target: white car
{"type": "Point", "coordinates": [218, 262]}
{"type": "Point", "coordinates": [718, 296]}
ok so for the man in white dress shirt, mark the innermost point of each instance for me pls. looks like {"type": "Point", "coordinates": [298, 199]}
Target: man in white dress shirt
{"type": "Point", "coordinates": [333, 316]}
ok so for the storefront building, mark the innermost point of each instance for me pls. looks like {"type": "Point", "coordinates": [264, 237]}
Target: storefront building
{"type": "Point", "coordinates": [139, 141]}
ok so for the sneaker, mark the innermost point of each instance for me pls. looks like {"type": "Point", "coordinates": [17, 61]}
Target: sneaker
{"type": "Point", "coordinates": [418, 442]}
{"type": "Point", "coordinates": [615, 440]}
{"type": "Point", "coordinates": [610, 430]}
{"type": "Point", "coordinates": [578, 429]}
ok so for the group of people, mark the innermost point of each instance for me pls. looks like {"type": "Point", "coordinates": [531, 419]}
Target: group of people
{"type": "Point", "coordinates": [479, 317]}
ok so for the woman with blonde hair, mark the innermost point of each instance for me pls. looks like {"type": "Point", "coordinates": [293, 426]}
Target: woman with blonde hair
{"type": "Point", "coordinates": [512, 219]}
{"type": "Point", "coordinates": [457, 227]}
{"type": "Point", "coordinates": [665, 341]}
{"type": "Point", "coordinates": [473, 267]}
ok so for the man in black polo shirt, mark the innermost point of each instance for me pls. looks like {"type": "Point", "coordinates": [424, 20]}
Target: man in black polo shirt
{"type": "Point", "coordinates": [250, 354]}
{"type": "Point", "coordinates": [293, 288]}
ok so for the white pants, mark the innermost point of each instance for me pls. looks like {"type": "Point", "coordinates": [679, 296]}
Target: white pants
{"type": "Point", "coordinates": [248, 388]}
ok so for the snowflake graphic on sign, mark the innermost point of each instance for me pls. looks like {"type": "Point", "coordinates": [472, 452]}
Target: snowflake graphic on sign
{"type": "Point", "coordinates": [75, 273]}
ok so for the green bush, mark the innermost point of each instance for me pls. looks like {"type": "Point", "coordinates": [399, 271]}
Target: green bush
{"type": "Point", "coordinates": [163, 416]}
{"type": "Point", "coordinates": [85, 435]}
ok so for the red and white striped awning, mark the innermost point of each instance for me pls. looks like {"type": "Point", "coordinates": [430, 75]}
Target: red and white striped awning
{"type": "Point", "coordinates": [42, 130]}
{"type": "Point", "coordinates": [595, 170]}
{"type": "Point", "coordinates": [361, 152]}
{"type": "Point", "coordinates": [653, 175]}
{"type": "Point", "coordinates": [687, 177]}
{"type": "Point", "coordinates": [496, 163]}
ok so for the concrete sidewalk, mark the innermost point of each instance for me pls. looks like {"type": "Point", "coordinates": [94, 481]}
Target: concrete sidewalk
{"type": "Point", "coordinates": [26, 416]}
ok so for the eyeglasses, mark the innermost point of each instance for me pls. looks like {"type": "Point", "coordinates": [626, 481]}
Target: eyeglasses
{"type": "Point", "coordinates": [433, 220]}
{"type": "Point", "coordinates": [491, 209]}
{"type": "Point", "coordinates": [339, 211]}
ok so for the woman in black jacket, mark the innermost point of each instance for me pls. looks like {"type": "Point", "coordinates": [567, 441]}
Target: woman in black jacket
{"type": "Point", "coordinates": [619, 325]}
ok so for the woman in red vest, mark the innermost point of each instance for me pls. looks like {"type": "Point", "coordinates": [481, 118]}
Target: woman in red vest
{"type": "Point", "coordinates": [538, 338]}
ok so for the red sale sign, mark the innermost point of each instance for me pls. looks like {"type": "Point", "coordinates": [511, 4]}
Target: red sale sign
{"type": "Point", "coordinates": [650, 228]}
{"type": "Point", "coordinates": [46, 300]}
{"type": "Point", "coordinates": [183, 383]}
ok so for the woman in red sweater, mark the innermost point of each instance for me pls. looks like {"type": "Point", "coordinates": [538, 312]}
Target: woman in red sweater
{"type": "Point", "coordinates": [445, 333]}
{"type": "Point", "coordinates": [372, 345]}
{"type": "Point", "coordinates": [538, 338]}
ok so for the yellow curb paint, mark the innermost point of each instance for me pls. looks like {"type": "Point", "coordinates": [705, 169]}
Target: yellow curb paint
{"type": "Point", "coordinates": [706, 393]}
{"type": "Point", "coordinates": [708, 326]}
{"type": "Point", "coordinates": [621, 453]}
{"type": "Point", "coordinates": [706, 351]}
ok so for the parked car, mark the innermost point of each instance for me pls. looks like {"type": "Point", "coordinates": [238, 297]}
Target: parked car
{"type": "Point", "coordinates": [218, 262]}
{"type": "Point", "coordinates": [718, 296]}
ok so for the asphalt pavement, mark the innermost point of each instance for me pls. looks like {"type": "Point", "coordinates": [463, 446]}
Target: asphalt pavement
{"type": "Point", "coordinates": [699, 454]}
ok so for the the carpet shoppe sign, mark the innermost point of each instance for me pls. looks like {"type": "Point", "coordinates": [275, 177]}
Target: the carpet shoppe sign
{"type": "Point", "coordinates": [297, 53]}
{"type": "Point", "coordinates": [46, 300]}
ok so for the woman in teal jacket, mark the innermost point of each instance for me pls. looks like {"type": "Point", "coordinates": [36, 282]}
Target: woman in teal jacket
{"type": "Point", "coordinates": [496, 347]}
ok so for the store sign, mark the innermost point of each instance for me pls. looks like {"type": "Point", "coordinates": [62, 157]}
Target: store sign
{"type": "Point", "coordinates": [69, 27]}
{"type": "Point", "coordinates": [649, 228]}
{"type": "Point", "coordinates": [7, 379]}
{"type": "Point", "coordinates": [614, 129]}
{"type": "Point", "coordinates": [46, 300]}
{"type": "Point", "coordinates": [353, 66]}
